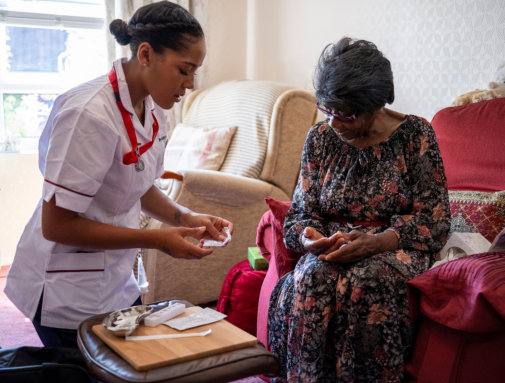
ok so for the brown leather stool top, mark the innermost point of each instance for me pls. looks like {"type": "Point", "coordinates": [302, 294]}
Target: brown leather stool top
{"type": "Point", "coordinates": [110, 367]}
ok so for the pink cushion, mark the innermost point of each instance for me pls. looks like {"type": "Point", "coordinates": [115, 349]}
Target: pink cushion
{"type": "Point", "coordinates": [239, 296]}
{"type": "Point", "coordinates": [270, 242]}
{"type": "Point", "coordinates": [285, 259]}
{"type": "Point", "coordinates": [471, 141]}
{"type": "Point", "coordinates": [263, 302]}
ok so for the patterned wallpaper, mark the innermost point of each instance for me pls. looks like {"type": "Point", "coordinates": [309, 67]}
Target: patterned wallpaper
{"type": "Point", "coordinates": [439, 49]}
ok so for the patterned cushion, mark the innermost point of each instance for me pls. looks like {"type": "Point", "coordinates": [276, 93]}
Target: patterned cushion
{"type": "Point", "coordinates": [474, 211]}
{"type": "Point", "coordinates": [198, 148]}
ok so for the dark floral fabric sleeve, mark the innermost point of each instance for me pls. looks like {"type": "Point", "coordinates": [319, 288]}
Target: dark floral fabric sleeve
{"type": "Point", "coordinates": [426, 227]}
{"type": "Point", "coordinates": [305, 210]}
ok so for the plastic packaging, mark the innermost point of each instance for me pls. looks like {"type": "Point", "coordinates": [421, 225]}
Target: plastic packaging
{"type": "Point", "coordinates": [142, 279]}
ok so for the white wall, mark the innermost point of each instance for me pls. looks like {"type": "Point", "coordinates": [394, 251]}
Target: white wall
{"type": "Point", "coordinates": [225, 25]}
{"type": "Point", "coordinates": [20, 191]}
{"type": "Point", "coordinates": [439, 49]}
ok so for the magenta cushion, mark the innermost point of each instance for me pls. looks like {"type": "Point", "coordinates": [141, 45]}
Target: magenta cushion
{"type": "Point", "coordinates": [285, 259]}
{"type": "Point", "coordinates": [461, 314]}
{"type": "Point", "coordinates": [264, 302]}
{"type": "Point", "coordinates": [465, 294]}
{"type": "Point", "coordinates": [239, 296]}
{"type": "Point", "coordinates": [270, 242]}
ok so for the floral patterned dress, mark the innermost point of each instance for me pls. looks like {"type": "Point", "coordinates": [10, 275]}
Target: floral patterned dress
{"type": "Point", "coordinates": [331, 322]}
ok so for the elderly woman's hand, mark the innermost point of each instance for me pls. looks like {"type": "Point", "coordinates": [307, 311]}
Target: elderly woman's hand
{"type": "Point", "coordinates": [357, 245]}
{"type": "Point", "coordinates": [316, 243]}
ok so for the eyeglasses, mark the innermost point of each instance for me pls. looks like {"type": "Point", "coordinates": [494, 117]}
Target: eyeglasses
{"type": "Point", "coordinates": [338, 115]}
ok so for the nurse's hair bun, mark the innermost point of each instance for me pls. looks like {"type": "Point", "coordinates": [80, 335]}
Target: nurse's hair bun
{"type": "Point", "coordinates": [120, 31]}
{"type": "Point", "coordinates": [161, 24]}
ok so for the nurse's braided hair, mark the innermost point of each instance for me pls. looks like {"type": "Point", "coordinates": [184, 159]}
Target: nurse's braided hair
{"type": "Point", "coordinates": [162, 25]}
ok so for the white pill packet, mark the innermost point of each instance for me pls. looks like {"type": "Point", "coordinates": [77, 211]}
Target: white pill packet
{"type": "Point", "coordinates": [212, 242]}
{"type": "Point", "coordinates": [200, 318]}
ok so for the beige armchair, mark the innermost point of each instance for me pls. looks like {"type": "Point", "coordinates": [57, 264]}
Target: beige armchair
{"type": "Point", "coordinates": [263, 160]}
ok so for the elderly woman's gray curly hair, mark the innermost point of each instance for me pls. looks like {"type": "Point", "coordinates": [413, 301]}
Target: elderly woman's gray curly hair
{"type": "Point", "coordinates": [353, 76]}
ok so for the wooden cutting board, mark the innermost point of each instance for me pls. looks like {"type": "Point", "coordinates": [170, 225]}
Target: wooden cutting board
{"type": "Point", "coordinates": [149, 354]}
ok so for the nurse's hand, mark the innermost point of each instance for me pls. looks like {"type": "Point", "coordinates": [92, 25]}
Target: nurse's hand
{"type": "Point", "coordinates": [173, 242]}
{"type": "Point", "coordinates": [214, 225]}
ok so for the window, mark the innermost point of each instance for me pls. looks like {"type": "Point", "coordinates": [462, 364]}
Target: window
{"type": "Point", "coordinates": [50, 46]}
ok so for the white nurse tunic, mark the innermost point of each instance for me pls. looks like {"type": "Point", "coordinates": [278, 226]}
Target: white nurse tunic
{"type": "Point", "coordinates": [81, 158]}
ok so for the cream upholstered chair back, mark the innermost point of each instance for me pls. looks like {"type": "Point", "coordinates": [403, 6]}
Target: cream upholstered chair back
{"type": "Point", "coordinates": [272, 120]}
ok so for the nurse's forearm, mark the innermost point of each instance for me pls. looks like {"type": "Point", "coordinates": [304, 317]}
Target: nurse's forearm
{"type": "Point", "coordinates": [67, 227]}
{"type": "Point", "coordinates": [157, 205]}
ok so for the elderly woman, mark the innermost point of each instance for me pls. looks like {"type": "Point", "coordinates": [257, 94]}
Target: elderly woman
{"type": "Point", "coordinates": [370, 212]}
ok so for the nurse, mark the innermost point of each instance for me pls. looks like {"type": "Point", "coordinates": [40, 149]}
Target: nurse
{"type": "Point", "coordinates": [100, 152]}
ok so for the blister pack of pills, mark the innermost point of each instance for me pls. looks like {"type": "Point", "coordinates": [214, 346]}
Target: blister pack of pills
{"type": "Point", "coordinates": [212, 242]}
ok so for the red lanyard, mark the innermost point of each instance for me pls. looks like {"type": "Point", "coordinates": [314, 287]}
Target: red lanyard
{"type": "Point", "coordinates": [136, 152]}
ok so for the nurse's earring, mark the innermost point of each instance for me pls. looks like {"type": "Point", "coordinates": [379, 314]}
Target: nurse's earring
{"type": "Point", "coordinates": [144, 53]}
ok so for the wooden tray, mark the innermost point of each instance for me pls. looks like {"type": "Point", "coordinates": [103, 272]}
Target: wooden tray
{"type": "Point", "coordinates": [149, 354]}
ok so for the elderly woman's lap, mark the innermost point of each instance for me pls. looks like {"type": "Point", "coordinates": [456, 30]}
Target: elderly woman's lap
{"type": "Point", "coordinates": [334, 322]}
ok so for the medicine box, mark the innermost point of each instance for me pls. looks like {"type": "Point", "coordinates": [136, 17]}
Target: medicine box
{"type": "Point", "coordinates": [256, 260]}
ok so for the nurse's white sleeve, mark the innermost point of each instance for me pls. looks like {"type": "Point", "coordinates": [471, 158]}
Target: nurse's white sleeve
{"type": "Point", "coordinates": [163, 135]}
{"type": "Point", "coordinates": [81, 151]}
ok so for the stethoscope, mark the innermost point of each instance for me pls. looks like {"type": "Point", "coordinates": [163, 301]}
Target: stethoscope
{"type": "Point", "coordinates": [134, 156]}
